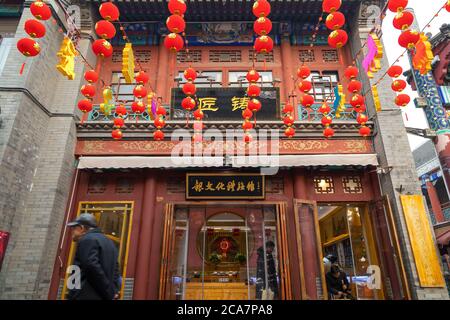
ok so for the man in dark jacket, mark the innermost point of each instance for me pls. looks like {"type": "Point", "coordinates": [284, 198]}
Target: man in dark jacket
{"type": "Point", "coordinates": [266, 263]}
{"type": "Point", "coordinates": [97, 259]}
{"type": "Point", "coordinates": [337, 283]}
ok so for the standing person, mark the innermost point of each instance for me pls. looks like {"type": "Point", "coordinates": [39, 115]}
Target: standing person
{"type": "Point", "coordinates": [96, 256]}
{"type": "Point", "coordinates": [266, 263]}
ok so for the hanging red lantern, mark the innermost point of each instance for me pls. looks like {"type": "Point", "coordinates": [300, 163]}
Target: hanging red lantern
{"type": "Point", "coordinates": [189, 89]}
{"type": "Point", "coordinates": [288, 120]}
{"type": "Point", "coordinates": [360, 108]}
{"type": "Point", "coordinates": [254, 105]}
{"type": "Point", "coordinates": [364, 131]}
{"type": "Point", "coordinates": [158, 135]}
{"type": "Point", "coordinates": [263, 44]}
{"type": "Point", "coordinates": [354, 86]}
{"type": "Point", "coordinates": [328, 132]}
{"type": "Point", "coordinates": [109, 11]}
{"type": "Point", "coordinates": [28, 47]}
{"type": "Point", "coordinates": [395, 71]}
{"type": "Point", "coordinates": [34, 28]}
{"type": "Point", "coordinates": [288, 108]}
{"type": "Point", "coordinates": [102, 48]}
{"type": "Point", "coordinates": [402, 100]}
{"type": "Point", "coordinates": [177, 7]}
{"type": "Point", "coordinates": [91, 76]}
{"type": "Point", "coordinates": [362, 119]}
{"type": "Point", "coordinates": [117, 134]}
{"type": "Point", "coordinates": [253, 91]}
{"type": "Point", "coordinates": [140, 92]}
{"type": "Point", "coordinates": [398, 85]}
{"type": "Point", "coordinates": [262, 26]}
{"type": "Point", "coordinates": [261, 8]}
{"type": "Point", "coordinates": [335, 20]}
{"type": "Point", "coordinates": [142, 77]}
{"type": "Point", "coordinates": [403, 20]}
{"type": "Point", "coordinates": [121, 110]}
{"type": "Point", "coordinates": [351, 72]}
{"type": "Point", "coordinates": [330, 6]}
{"type": "Point", "coordinates": [325, 108]}
{"type": "Point", "coordinates": [397, 5]}
{"type": "Point", "coordinates": [327, 121]}
{"type": "Point", "coordinates": [119, 122]}
{"type": "Point", "coordinates": [88, 90]}
{"type": "Point", "coordinates": [176, 23]}
{"type": "Point", "coordinates": [198, 114]}
{"type": "Point", "coordinates": [40, 10]}
{"type": "Point", "coordinates": [137, 107]}
{"type": "Point", "coordinates": [303, 72]}
{"type": "Point", "coordinates": [338, 38]}
{"type": "Point", "coordinates": [357, 100]}
{"type": "Point", "coordinates": [105, 29]}
{"type": "Point", "coordinates": [247, 125]}
{"type": "Point", "coordinates": [307, 100]}
{"type": "Point", "coordinates": [248, 138]}
{"type": "Point", "coordinates": [188, 104]}
{"type": "Point", "coordinates": [305, 86]}
{"type": "Point", "coordinates": [174, 42]}
{"type": "Point", "coordinates": [447, 6]}
{"type": "Point", "coordinates": [159, 123]}
{"type": "Point", "coordinates": [161, 111]}
{"type": "Point", "coordinates": [247, 114]}
{"type": "Point", "coordinates": [252, 76]}
{"type": "Point", "coordinates": [408, 39]}
{"type": "Point", "coordinates": [289, 132]}
{"type": "Point", "coordinates": [85, 105]}
{"type": "Point", "coordinates": [190, 74]}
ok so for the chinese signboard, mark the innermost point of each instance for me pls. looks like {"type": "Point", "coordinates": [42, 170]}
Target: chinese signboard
{"type": "Point", "coordinates": [4, 237]}
{"type": "Point", "coordinates": [227, 103]}
{"type": "Point", "coordinates": [224, 186]}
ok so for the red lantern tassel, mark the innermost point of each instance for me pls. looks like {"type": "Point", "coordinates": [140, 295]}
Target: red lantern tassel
{"type": "Point", "coordinates": [21, 68]}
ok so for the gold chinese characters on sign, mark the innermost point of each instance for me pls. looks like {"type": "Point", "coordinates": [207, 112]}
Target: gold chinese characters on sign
{"type": "Point", "coordinates": [67, 54]}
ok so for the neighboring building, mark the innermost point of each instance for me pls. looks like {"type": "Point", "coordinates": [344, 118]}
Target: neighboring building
{"type": "Point", "coordinates": [340, 196]}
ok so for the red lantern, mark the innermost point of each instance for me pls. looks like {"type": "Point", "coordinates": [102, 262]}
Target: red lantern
{"type": "Point", "coordinates": [261, 8]}
{"type": "Point", "coordinates": [161, 111]}
{"type": "Point", "coordinates": [137, 107]}
{"type": "Point", "coordinates": [289, 132]}
{"type": "Point", "coordinates": [362, 119]}
{"type": "Point", "coordinates": [121, 110]}
{"type": "Point", "coordinates": [88, 90]}
{"type": "Point", "coordinates": [190, 74]}
{"type": "Point", "coordinates": [395, 71]}
{"type": "Point", "coordinates": [34, 28]}
{"type": "Point", "coordinates": [328, 132]}
{"type": "Point", "coordinates": [28, 47]}
{"type": "Point", "coordinates": [357, 100]}
{"type": "Point", "coordinates": [398, 85]}
{"type": "Point", "coordinates": [140, 92]}
{"type": "Point", "coordinates": [247, 114]}
{"type": "Point", "coordinates": [109, 11]}
{"type": "Point", "coordinates": [119, 123]}
{"type": "Point", "coordinates": [288, 120]}
{"type": "Point", "coordinates": [408, 39]}
{"type": "Point", "coordinates": [253, 91]}
{"type": "Point", "coordinates": [142, 77]}
{"type": "Point", "coordinates": [307, 100]}
{"type": "Point", "coordinates": [402, 100]}
{"type": "Point", "coordinates": [354, 86]}
{"type": "Point", "coordinates": [305, 86]}
{"type": "Point", "coordinates": [247, 125]}
{"type": "Point", "coordinates": [252, 76]}
{"type": "Point", "coordinates": [40, 10]}
{"type": "Point", "coordinates": [330, 6]}
{"type": "Point", "coordinates": [397, 5]}
{"type": "Point", "coordinates": [335, 20]}
{"type": "Point", "coordinates": [263, 44]}
{"type": "Point", "coordinates": [327, 121]}
{"type": "Point", "coordinates": [177, 7]}
{"type": "Point", "coordinates": [91, 76]}
{"type": "Point", "coordinates": [303, 72]}
{"type": "Point", "coordinates": [403, 20]}
{"type": "Point", "coordinates": [117, 134]}
{"type": "Point", "coordinates": [189, 89]}
{"type": "Point", "coordinates": [254, 105]}
{"type": "Point", "coordinates": [105, 29]}
{"type": "Point", "coordinates": [159, 123]}
{"type": "Point", "coordinates": [198, 114]}
{"type": "Point", "coordinates": [338, 38]}
{"type": "Point", "coordinates": [360, 108]}
{"type": "Point", "coordinates": [325, 108]}
{"type": "Point", "coordinates": [351, 72]}
{"type": "Point", "coordinates": [364, 131]}
{"type": "Point", "coordinates": [176, 23]}
{"type": "Point", "coordinates": [174, 42]}
{"type": "Point", "coordinates": [262, 26]}
{"type": "Point", "coordinates": [447, 6]}
{"type": "Point", "coordinates": [85, 105]}
{"type": "Point", "coordinates": [102, 48]}
{"type": "Point", "coordinates": [188, 103]}
{"type": "Point", "coordinates": [248, 138]}
{"type": "Point", "coordinates": [158, 135]}
{"type": "Point", "coordinates": [288, 108]}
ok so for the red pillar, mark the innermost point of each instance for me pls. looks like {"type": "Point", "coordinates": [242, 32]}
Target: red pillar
{"type": "Point", "coordinates": [163, 78]}
{"type": "Point", "coordinates": [435, 204]}
{"type": "Point", "coordinates": [145, 238]}
{"type": "Point", "coordinates": [288, 69]}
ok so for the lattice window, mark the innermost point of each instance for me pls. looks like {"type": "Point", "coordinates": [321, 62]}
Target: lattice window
{"type": "Point", "coordinates": [194, 56]}
{"type": "Point", "coordinates": [324, 185]}
{"type": "Point", "coordinates": [352, 185]}
{"type": "Point", "coordinates": [225, 56]}
{"type": "Point", "coordinates": [143, 55]}
{"type": "Point", "coordinates": [96, 185]}
{"type": "Point", "coordinates": [124, 185]}
{"type": "Point", "coordinates": [261, 57]}
{"type": "Point", "coordinates": [117, 56]}
{"type": "Point", "coordinates": [306, 56]}
{"type": "Point", "coordinates": [275, 185]}
{"type": "Point", "coordinates": [330, 56]}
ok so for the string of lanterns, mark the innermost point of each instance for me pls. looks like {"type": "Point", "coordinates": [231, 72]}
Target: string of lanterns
{"type": "Point", "coordinates": [335, 21]}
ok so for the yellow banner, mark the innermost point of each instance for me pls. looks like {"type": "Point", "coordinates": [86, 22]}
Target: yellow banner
{"type": "Point", "coordinates": [422, 242]}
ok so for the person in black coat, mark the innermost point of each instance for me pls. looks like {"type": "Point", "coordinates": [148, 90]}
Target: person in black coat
{"type": "Point", "coordinates": [337, 283]}
{"type": "Point", "coordinates": [97, 259]}
{"type": "Point", "coordinates": [263, 265]}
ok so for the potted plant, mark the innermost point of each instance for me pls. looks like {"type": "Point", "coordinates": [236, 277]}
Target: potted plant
{"type": "Point", "coordinates": [215, 258]}
{"type": "Point", "coordinates": [240, 258]}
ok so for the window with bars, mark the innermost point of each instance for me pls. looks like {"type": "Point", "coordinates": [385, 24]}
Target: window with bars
{"type": "Point", "coordinates": [306, 56]}
{"type": "Point", "coordinates": [194, 56]}
{"type": "Point", "coordinates": [261, 57]}
{"type": "Point", "coordinates": [323, 85]}
{"type": "Point", "coordinates": [238, 78]}
{"type": "Point", "coordinates": [205, 79]}
{"type": "Point", "coordinates": [141, 55]}
{"type": "Point", "coordinates": [225, 56]}
{"type": "Point", "coordinates": [120, 87]}
{"type": "Point", "coordinates": [330, 56]}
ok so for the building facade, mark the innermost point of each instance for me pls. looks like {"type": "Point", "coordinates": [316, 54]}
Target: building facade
{"type": "Point", "coordinates": [190, 227]}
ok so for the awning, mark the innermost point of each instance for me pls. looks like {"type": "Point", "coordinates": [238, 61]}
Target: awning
{"type": "Point", "coordinates": [228, 161]}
